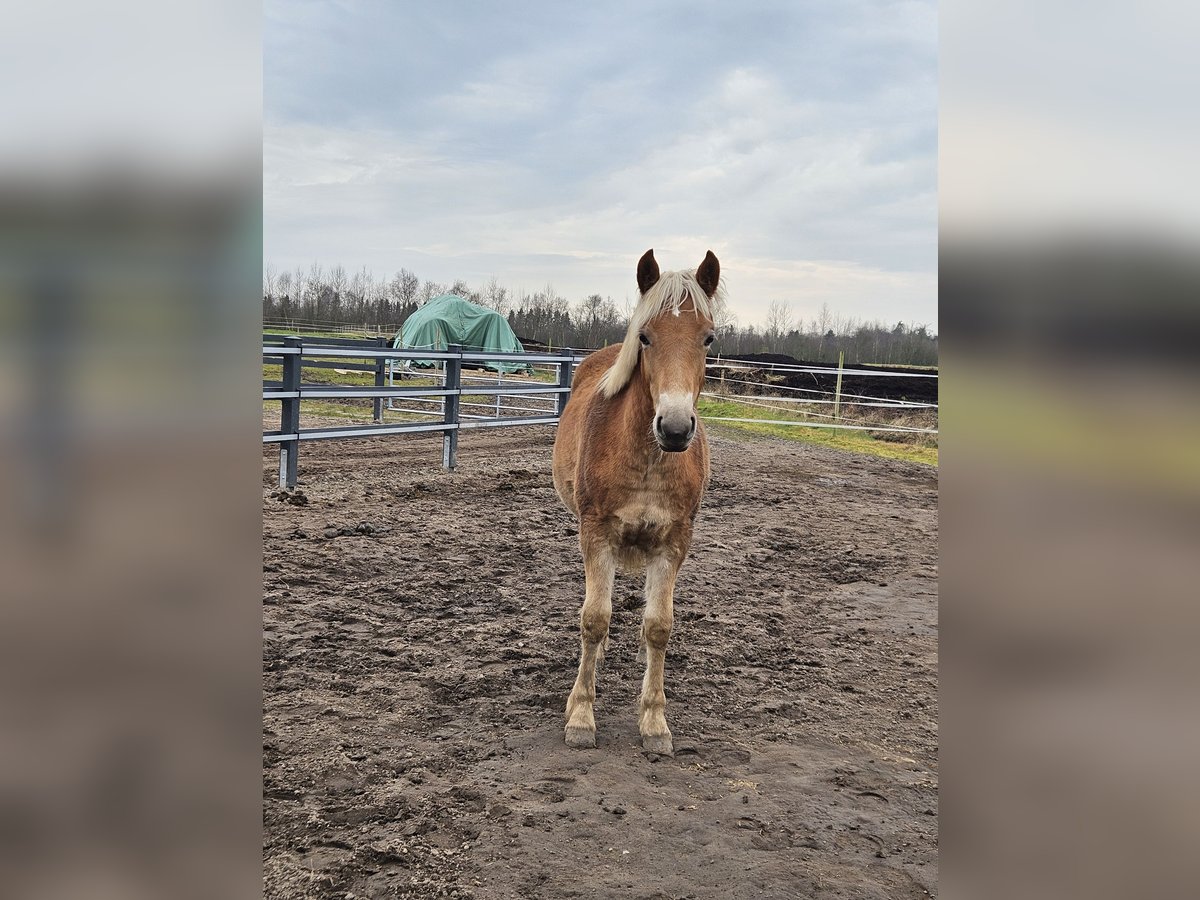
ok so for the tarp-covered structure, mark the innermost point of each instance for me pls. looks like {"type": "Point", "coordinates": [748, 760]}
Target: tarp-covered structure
{"type": "Point", "coordinates": [449, 319]}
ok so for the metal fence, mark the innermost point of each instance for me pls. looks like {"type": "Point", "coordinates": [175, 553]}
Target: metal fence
{"type": "Point", "coordinates": [296, 354]}
{"type": "Point", "coordinates": [450, 400]}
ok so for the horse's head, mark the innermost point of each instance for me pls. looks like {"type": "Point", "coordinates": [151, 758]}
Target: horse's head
{"type": "Point", "coordinates": [673, 342]}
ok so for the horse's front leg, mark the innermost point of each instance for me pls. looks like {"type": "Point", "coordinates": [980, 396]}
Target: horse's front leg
{"type": "Point", "coordinates": [599, 568]}
{"type": "Point", "coordinates": [656, 631]}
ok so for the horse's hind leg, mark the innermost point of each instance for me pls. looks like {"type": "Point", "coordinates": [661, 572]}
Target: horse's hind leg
{"type": "Point", "coordinates": [599, 568]}
{"type": "Point", "coordinates": [656, 631]}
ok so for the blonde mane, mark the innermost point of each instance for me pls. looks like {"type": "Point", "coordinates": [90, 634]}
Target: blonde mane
{"type": "Point", "coordinates": [668, 293]}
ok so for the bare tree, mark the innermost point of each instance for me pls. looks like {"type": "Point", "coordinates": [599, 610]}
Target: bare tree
{"type": "Point", "coordinates": [724, 321]}
{"type": "Point", "coordinates": [315, 302]}
{"type": "Point", "coordinates": [779, 321]}
{"type": "Point", "coordinates": [314, 279]}
{"type": "Point", "coordinates": [298, 290]}
{"type": "Point", "coordinates": [824, 319]}
{"type": "Point", "coordinates": [552, 298]}
{"type": "Point", "coordinates": [594, 317]}
{"type": "Point", "coordinates": [429, 290]}
{"type": "Point", "coordinates": [337, 280]}
{"type": "Point", "coordinates": [324, 296]}
{"type": "Point", "coordinates": [355, 302]}
{"type": "Point", "coordinates": [494, 296]}
{"type": "Point", "coordinates": [335, 294]}
{"type": "Point", "coordinates": [403, 287]}
{"type": "Point", "coordinates": [285, 301]}
{"type": "Point", "coordinates": [462, 289]}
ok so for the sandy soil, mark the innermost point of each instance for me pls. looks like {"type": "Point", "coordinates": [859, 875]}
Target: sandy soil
{"type": "Point", "coordinates": [420, 639]}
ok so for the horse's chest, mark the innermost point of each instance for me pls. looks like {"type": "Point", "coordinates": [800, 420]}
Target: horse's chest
{"type": "Point", "coordinates": [643, 520]}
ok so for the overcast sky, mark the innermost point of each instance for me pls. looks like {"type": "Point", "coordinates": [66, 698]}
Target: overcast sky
{"type": "Point", "coordinates": [543, 142]}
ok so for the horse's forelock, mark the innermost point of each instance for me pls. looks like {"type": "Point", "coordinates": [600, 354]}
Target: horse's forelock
{"type": "Point", "coordinates": [673, 292]}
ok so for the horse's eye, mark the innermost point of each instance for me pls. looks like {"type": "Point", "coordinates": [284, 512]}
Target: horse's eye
{"type": "Point", "coordinates": [709, 339]}
{"type": "Point", "coordinates": [644, 339]}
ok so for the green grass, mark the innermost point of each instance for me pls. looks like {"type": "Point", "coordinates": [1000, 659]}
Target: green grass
{"type": "Point", "coordinates": [854, 441]}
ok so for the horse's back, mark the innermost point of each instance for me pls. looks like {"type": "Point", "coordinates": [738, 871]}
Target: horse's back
{"type": "Point", "coordinates": [571, 425]}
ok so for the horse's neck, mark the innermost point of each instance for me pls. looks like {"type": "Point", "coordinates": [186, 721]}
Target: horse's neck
{"type": "Point", "coordinates": [638, 414]}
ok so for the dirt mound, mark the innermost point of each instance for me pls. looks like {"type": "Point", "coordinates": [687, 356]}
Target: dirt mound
{"type": "Point", "coordinates": [420, 639]}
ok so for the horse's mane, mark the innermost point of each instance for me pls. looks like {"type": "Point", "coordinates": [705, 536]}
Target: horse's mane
{"type": "Point", "coordinates": [668, 293]}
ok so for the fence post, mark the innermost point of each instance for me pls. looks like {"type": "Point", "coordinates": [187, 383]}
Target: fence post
{"type": "Point", "coordinates": [397, 341]}
{"type": "Point", "coordinates": [566, 370]}
{"type": "Point", "coordinates": [837, 391]}
{"type": "Point", "coordinates": [453, 378]}
{"type": "Point", "coordinates": [289, 419]}
{"type": "Point", "coordinates": [380, 379]}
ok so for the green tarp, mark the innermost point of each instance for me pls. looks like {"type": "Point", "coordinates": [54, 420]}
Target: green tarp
{"type": "Point", "coordinates": [449, 319]}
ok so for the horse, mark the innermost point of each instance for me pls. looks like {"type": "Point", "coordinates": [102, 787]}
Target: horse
{"type": "Point", "coordinates": [631, 463]}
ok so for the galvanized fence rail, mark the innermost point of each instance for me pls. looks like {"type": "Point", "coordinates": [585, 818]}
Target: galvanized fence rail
{"type": "Point", "coordinates": [296, 353]}
{"type": "Point", "coordinates": [372, 355]}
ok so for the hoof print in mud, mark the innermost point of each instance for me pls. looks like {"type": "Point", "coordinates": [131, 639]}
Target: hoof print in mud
{"type": "Point", "coordinates": [580, 738]}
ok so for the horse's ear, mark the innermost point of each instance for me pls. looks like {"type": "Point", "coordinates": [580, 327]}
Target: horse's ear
{"type": "Point", "coordinates": [709, 274]}
{"type": "Point", "coordinates": [647, 271]}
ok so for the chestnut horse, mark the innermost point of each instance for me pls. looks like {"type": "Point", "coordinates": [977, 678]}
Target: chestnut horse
{"type": "Point", "coordinates": [631, 462]}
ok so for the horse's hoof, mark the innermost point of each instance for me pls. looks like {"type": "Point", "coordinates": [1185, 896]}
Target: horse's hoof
{"type": "Point", "coordinates": [580, 738]}
{"type": "Point", "coordinates": [657, 743]}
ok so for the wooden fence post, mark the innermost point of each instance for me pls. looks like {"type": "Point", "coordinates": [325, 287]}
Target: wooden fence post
{"type": "Point", "coordinates": [837, 391]}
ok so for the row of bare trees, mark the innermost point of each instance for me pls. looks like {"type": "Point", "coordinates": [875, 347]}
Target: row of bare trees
{"type": "Point", "coordinates": [827, 334]}
{"type": "Point", "coordinates": [332, 298]}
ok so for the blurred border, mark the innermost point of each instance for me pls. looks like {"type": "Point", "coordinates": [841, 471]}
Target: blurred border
{"type": "Point", "coordinates": [130, 258]}
{"type": "Point", "coordinates": [1069, 282]}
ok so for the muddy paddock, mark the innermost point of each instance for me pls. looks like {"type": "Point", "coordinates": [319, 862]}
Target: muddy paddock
{"type": "Point", "coordinates": [420, 639]}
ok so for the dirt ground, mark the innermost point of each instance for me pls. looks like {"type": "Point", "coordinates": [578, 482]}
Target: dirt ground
{"type": "Point", "coordinates": [420, 639]}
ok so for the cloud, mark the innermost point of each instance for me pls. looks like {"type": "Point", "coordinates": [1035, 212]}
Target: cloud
{"type": "Point", "coordinates": [560, 152]}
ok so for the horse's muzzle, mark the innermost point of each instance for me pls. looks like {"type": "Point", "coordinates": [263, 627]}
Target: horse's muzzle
{"type": "Point", "coordinates": [674, 433]}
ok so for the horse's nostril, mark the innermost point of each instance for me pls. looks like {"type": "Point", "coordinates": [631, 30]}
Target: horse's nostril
{"type": "Point", "coordinates": [658, 424]}
{"type": "Point", "coordinates": [693, 428]}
